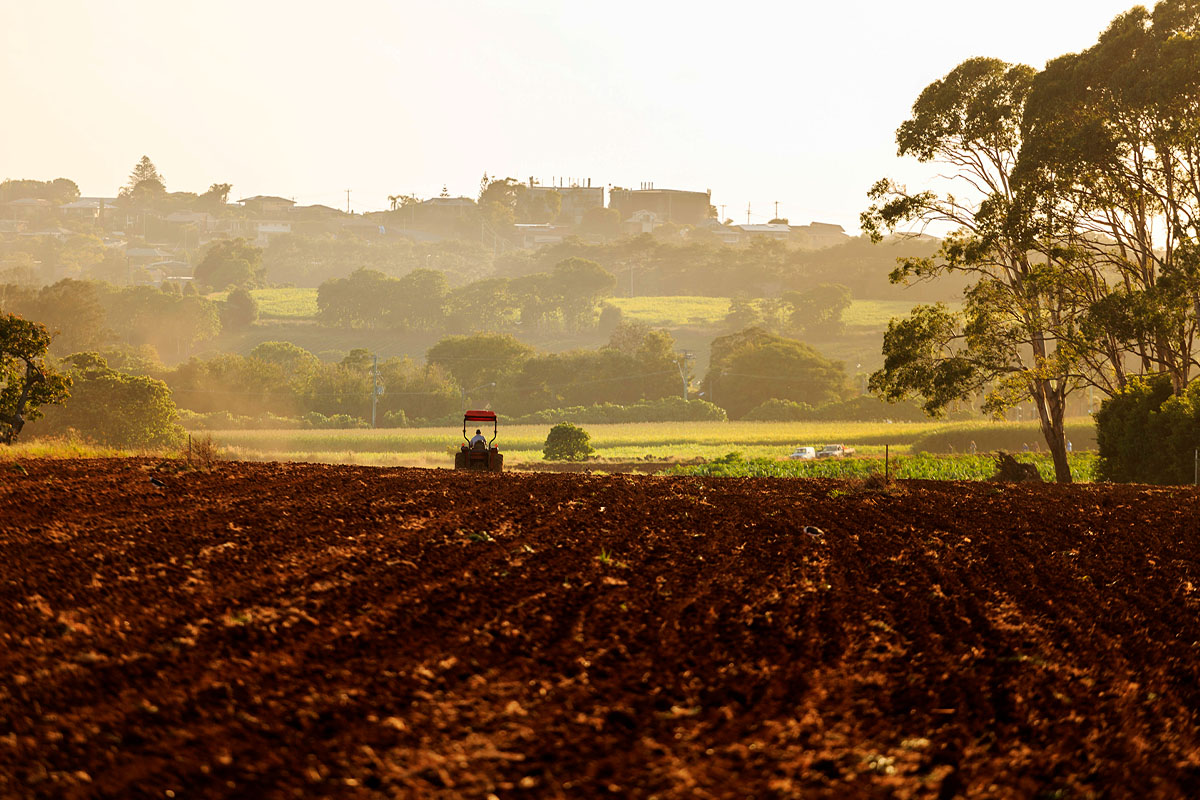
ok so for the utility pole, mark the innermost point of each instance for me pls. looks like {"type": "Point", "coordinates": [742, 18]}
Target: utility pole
{"type": "Point", "coordinates": [347, 201]}
{"type": "Point", "coordinates": [685, 357]}
{"type": "Point", "coordinates": [376, 389]}
{"type": "Point", "coordinates": [722, 214]}
{"type": "Point", "coordinates": [747, 213]}
{"type": "Point", "coordinates": [776, 209]}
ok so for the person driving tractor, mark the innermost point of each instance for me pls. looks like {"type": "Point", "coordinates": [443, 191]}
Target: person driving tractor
{"type": "Point", "coordinates": [478, 452]}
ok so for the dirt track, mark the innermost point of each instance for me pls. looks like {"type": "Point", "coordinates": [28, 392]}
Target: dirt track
{"type": "Point", "coordinates": [283, 630]}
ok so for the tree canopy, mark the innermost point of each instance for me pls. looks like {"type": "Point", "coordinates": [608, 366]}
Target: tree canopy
{"type": "Point", "coordinates": [750, 367]}
{"type": "Point", "coordinates": [27, 382]}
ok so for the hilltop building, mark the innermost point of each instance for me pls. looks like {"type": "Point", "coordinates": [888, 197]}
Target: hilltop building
{"type": "Point", "coordinates": [822, 234]}
{"type": "Point", "coordinates": [576, 200]}
{"type": "Point", "coordinates": [668, 205]}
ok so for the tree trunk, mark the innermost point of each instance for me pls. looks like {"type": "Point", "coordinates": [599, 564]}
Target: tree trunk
{"type": "Point", "coordinates": [1051, 411]}
{"type": "Point", "coordinates": [16, 420]}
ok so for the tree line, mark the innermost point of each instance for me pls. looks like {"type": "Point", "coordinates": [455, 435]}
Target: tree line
{"type": "Point", "coordinates": [124, 396]}
{"type": "Point", "coordinates": [564, 298]}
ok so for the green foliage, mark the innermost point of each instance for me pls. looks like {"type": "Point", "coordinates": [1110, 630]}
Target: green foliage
{"type": "Point", "coordinates": [859, 409]}
{"type": "Point", "coordinates": [71, 310]}
{"type": "Point", "coordinates": [239, 311]}
{"type": "Point", "coordinates": [145, 171]}
{"type": "Point", "coordinates": [289, 304]}
{"type": "Point", "coordinates": [743, 312]}
{"type": "Point", "coordinates": [581, 377]}
{"type": "Point", "coordinates": [920, 467]}
{"type": "Point", "coordinates": [1148, 435]}
{"type": "Point", "coordinates": [309, 261]}
{"type": "Point", "coordinates": [27, 383]}
{"type": "Point", "coordinates": [747, 369]}
{"type": "Point", "coordinates": [115, 409]}
{"type": "Point", "coordinates": [761, 269]}
{"type": "Point", "coordinates": [296, 362]}
{"type": "Point", "coordinates": [775, 410]}
{"type": "Point", "coordinates": [370, 299]}
{"type": "Point", "coordinates": [1112, 132]}
{"type": "Point", "coordinates": [666, 409]}
{"type": "Point", "coordinates": [233, 262]}
{"type": "Point", "coordinates": [1012, 437]}
{"type": "Point", "coordinates": [59, 190]}
{"type": "Point", "coordinates": [601, 221]}
{"type": "Point", "coordinates": [567, 442]}
{"type": "Point", "coordinates": [280, 378]}
{"type": "Point", "coordinates": [314, 419]}
{"type": "Point", "coordinates": [170, 323]}
{"type": "Point", "coordinates": [817, 312]}
{"type": "Point", "coordinates": [479, 358]}
{"type": "Point", "coordinates": [920, 360]}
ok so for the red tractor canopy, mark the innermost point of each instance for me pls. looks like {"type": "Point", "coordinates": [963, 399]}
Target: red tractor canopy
{"type": "Point", "coordinates": [481, 416]}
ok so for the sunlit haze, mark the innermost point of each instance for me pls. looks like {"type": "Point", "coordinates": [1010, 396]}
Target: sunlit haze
{"type": "Point", "coordinates": [794, 103]}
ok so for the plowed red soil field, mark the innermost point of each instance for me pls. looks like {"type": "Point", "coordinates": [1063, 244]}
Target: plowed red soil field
{"type": "Point", "coordinates": [292, 630]}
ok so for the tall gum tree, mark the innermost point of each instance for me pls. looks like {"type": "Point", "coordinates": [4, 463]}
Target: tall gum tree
{"type": "Point", "coordinates": [1009, 340]}
{"type": "Point", "coordinates": [1116, 131]}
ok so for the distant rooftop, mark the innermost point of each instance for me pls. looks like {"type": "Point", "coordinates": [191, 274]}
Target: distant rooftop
{"type": "Point", "coordinates": [263, 198]}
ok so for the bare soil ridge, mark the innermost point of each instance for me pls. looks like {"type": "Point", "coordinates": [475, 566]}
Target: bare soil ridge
{"type": "Point", "coordinates": [278, 630]}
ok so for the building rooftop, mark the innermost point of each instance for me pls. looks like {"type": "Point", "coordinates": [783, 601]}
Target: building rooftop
{"type": "Point", "coordinates": [262, 198]}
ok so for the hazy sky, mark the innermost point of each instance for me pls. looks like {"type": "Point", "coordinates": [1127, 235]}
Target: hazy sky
{"type": "Point", "coordinates": [795, 102]}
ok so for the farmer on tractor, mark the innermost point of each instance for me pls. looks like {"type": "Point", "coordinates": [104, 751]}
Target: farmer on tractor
{"type": "Point", "coordinates": [479, 452]}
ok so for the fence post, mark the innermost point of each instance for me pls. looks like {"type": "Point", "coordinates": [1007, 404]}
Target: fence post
{"type": "Point", "coordinates": [1196, 462]}
{"type": "Point", "coordinates": [189, 449]}
{"type": "Point", "coordinates": [887, 463]}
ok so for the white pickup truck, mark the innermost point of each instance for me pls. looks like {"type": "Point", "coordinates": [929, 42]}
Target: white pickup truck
{"type": "Point", "coordinates": [835, 451]}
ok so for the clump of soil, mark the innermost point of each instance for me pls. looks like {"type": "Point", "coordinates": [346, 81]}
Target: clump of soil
{"type": "Point", "coordinates": [1009, 470]}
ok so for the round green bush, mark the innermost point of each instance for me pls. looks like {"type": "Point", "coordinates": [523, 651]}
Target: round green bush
{"type": "Point", "coordinates": [567, 442]}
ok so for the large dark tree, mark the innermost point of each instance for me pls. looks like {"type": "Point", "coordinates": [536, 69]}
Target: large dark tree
{"type": "Point", "coordinates": [753, 366]}
{"type": "Point", "coordinates": [234, 262]}
{"type": "Point", "coordinates": [27, 383]}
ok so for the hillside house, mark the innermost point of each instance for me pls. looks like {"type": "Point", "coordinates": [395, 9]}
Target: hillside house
{"type": "Point", "coordinates": [267, 206]}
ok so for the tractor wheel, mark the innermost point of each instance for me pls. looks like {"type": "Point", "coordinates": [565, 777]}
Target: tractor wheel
{"type": "Point", "coordinates": [460, 460]}
{"type": "Point", "coordinates": [498, 462]}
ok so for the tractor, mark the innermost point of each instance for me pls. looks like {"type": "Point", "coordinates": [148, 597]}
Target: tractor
{"type": "Point", "coordinates": [482, 455]}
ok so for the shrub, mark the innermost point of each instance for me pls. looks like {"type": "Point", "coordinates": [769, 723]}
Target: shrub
{"type": "Point", "coordinates": [314, 419]}
{"type": "Point", "coordinates": [567, 442]}
{"type": "Point", "coordinates": [1146, 435]}
{"type": "Point", "coordinates": [395, 419]}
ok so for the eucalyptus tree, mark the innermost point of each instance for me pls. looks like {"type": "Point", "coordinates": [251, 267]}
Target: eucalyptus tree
{"type": "Point", "coordinates": [1116, 131]}
{"type": "Point", "coordinates": [1014, 338]}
